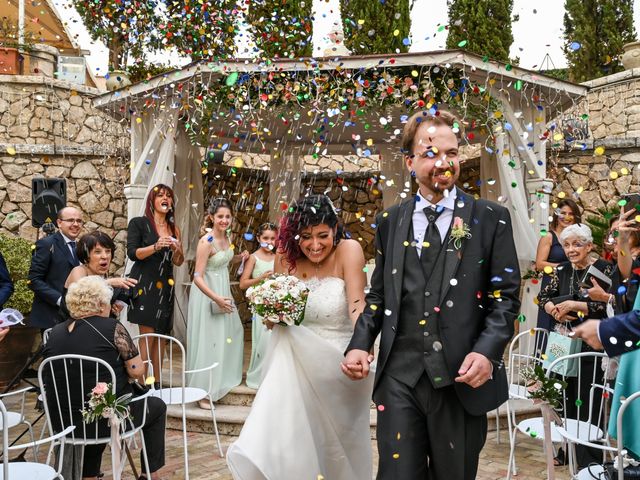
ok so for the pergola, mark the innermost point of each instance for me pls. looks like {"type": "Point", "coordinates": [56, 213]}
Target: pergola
{"type": "Point", "coordinates": [354, 105]}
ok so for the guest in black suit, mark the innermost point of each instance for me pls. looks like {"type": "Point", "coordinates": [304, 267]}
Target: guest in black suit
{"type": "Point", "coordinates": [444, 296]}
{"type": "Point", "coordinates": [6, 284]}
{"type": "Point", "coordinates": [51, 264]}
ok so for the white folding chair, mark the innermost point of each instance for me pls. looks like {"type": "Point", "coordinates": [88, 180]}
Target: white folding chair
{"type": "Point", "coordinates": [173, 384]}
{"type": "Point", "coordinates": [524, 353]}
{"type": "Point", "coordinates": [592, 432]}
{"type": "Point", "coordinates": [60, 404]}
{"type": "Point", "coordinates": [619, 424]}
{"type": "Point", "coordinates": [27, 470]}
{"type": "Point", "coordinates": [15, 418]}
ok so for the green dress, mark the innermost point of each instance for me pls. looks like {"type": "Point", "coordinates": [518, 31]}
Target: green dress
{"type": "Point", "coordinates": [259, 333]}
{"type": "Point", "coordinates": [214, 338]}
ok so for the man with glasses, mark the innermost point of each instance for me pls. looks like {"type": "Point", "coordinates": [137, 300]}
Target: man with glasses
{"type": "Point", "coordinates": [52, 261]}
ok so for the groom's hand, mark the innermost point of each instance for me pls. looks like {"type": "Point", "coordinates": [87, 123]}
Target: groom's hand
{"type": "Point", "coordinates": [356, 364]}
{"type": "Point", "coordinates": [475, 370]}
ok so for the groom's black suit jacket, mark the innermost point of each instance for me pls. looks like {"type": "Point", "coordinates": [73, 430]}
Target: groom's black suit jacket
{"type": "Point", "coordinates": [477, 313]}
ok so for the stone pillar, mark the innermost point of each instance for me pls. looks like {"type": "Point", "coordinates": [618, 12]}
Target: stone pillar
{"type": "Point", "coordinates": [397, 179]}
{"type": "Point", "coordinates": [135, 195]}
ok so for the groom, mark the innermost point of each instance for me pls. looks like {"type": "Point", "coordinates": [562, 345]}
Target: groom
{"type": "Point", "coordinates": [444, 296]}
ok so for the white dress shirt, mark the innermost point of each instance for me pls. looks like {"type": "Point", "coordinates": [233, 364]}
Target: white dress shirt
{"type": "Point", "coordinates": [420, 222]}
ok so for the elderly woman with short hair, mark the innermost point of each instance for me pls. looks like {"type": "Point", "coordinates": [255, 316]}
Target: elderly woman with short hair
{"type": "Point", "coordinates": [91, 332]}
{"type": "Point", "coordinates": [568, 277]}
{"type": "Point", "coordinates": [568, 280]}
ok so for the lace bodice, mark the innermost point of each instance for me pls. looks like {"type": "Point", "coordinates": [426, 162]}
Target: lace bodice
{"type": "Point", "coordinates": [327, 312]}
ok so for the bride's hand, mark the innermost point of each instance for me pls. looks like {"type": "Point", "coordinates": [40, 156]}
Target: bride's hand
{"type": "Point", "coordinates": [356, 364]}
{"type": "Point", "coordinates": [268, 324]}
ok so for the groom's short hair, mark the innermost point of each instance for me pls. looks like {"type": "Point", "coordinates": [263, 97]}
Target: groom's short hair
{"type": "Point", "coordinates": [440, 117]}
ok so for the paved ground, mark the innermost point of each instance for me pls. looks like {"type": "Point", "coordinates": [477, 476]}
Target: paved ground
{"type": "Point", "coordinates": [206, 464]}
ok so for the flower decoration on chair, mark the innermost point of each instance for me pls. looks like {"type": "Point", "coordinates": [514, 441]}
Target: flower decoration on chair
{"type": "Point", "coordinates": [459, 232]}
{"type": "Point", "coordinates": [279, 299]}
{"type": "Point", "coordinates": [543, 388]}
{"type": "Point", "coordinates": [103, 403]}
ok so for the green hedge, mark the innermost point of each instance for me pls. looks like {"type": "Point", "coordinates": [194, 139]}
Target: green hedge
{"type": "Point", "coordinates": [17, 253]}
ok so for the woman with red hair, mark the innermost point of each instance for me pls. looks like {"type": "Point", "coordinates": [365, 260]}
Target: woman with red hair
{"type": "Point", "coordinates": [153, 244]}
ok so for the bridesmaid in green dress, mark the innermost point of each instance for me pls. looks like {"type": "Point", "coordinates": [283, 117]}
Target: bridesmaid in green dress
{"type": "Point", "coordinates": [258, 267]}
{"type": "Point", "coordinates": [214, 337]}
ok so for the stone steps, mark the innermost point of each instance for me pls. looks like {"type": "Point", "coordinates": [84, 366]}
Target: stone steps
{"type": "Point", "coordinates": [233, 409]}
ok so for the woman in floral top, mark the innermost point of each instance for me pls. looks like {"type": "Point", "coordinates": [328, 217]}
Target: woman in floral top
{"type": "Point", "coordinates": [577, 242]}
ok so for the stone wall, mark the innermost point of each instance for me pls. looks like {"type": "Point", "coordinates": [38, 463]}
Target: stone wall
{"type": "Point", "coordinates": [49, 128]}
{"type": "Point", "coordinates": [596, 172]}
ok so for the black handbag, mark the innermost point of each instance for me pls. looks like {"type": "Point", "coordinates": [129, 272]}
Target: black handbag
{"type": "Point", "coordinates": [630, 472]}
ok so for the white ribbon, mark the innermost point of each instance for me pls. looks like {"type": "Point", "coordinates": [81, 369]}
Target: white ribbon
{"type": "Point", "coordinates": [114, 423]}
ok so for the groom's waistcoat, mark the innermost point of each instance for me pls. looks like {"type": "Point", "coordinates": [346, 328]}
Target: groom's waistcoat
{"type": "Point", "coordinates": [417, 346]}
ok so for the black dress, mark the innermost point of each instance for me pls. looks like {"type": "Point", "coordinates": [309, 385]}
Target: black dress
{"type": "Point", "coordinates": [556, 255]}
{"type": "Point", "coordinates": [152, 300]}
{"type": "Point", "coordinates": [107, 339]}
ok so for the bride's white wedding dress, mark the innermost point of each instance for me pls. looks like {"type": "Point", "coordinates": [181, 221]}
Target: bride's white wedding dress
{"type": "Point", "coordinates": [308, 420]}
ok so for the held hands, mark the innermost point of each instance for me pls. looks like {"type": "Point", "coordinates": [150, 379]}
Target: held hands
{"type": "Point", "coordinates": [356, 364]}
{"type": "Point", "coordinates": [3, 333]}
{"type": "Point", "coordinates": [564, 312]}
{"type": "Point", "coordinates": [588, 331]}
{"type": "Point", "coordinates": [242, 256]}
{"type": "Point", "coordinates": [475, 370]}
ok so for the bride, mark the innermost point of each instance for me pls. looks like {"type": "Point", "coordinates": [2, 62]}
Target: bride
{"type": "Point", "coordinates": [308, 420]}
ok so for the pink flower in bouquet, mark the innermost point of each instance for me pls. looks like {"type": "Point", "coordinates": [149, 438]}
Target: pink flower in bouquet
{"type": "Point", "coordinates": [100, 389]}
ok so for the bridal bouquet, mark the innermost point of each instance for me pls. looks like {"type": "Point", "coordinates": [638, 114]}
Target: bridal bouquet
{"type": "Point", "coordinates": [279, 299]}
{"type": "Point", "coordinates": [103, 403]}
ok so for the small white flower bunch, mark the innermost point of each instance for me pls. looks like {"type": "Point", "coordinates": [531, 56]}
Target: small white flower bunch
{"type": "Point", "coordinates": [279, 299]}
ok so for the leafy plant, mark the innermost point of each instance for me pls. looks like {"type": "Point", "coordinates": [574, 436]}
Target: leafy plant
{"type": "Point", "coordinates": [481, 26]}
{"type": "Point", "coordinates": [126, 27]}
{"type": "Point", "coordinates": [17, 254]}
{"type": "Point", "coordinates": [599, 225]}
{"type": "Point", "coordinates": [543, 388]}
{"type": "Point", "coordinates": [594, 34]}
{"type": "Point", "coordinates": [366, 33]}
{"type": "Point", "coordinates": [9, 35]}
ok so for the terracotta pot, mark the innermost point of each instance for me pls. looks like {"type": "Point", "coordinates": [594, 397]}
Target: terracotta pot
{"type": "Point", "coordinates": [117, 79]}
{"type": "Point", "coordinates": [9, 61]}
{"type": "Point", "coordinates": [15, 349]}
{"type": "Point", "coordinates": [631, 55]}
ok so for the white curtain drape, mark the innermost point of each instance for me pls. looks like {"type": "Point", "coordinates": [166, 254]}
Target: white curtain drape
{"type": "Point", "coordinates": [513, 187]}
{"type": "Point", "coordinates": [166, 155]}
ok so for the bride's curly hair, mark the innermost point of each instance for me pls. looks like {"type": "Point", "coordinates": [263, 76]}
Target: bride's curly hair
{"type": "Point", "coordinates": [309, 211]}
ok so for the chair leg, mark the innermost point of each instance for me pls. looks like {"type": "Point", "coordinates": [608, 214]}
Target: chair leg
{"type": "Point", "coordinates": [512, 431]}
{"type": "Point", "coordinates": [184, 440]}
{"type": "Point", "coordinates": [498, 425]}
{"type": "Point", "coordinates": [144, 455]}
{"type": "Point", "coordinates": [33, 439]}
{"type": "Point", "coordinates": [512, 469]}
{"type": "Point", "coordinates": [215, 427]}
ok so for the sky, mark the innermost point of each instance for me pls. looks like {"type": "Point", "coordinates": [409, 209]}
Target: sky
{"type": "Point", "coordinates": [537, 33]}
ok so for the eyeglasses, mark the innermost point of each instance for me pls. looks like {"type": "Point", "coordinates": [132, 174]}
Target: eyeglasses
{"type": "Point", "coordinates": [72, 220]}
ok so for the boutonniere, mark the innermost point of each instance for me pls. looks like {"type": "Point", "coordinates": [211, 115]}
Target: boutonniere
{"type": "Point", "coordinates": [459, 231]}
